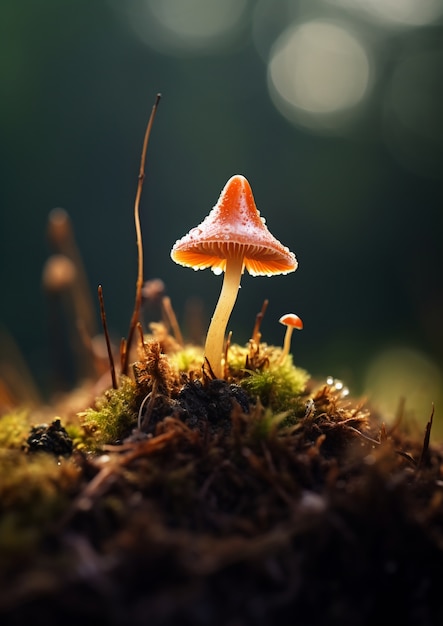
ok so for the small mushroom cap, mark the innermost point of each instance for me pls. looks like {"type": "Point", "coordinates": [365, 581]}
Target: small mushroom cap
{"type": "Point", "coordinates": [290, 319]}
{"type": "Point", "coordinates": [234, 228]}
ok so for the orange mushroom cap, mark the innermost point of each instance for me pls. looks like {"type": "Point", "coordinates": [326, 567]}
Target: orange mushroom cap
{"type": "Point", "coordinates": [234, 228]}
{"type": "Point", "coordinates": [290, 319]}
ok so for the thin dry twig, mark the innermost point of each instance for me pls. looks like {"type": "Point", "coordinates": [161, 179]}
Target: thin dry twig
{"type": "Point", "coordinates": [139, 284]}
{"type": "Point", "coordinates": [108, 342]}
{"type": "Point", "coordinates": [256, 335]}
{"type": "Point", "coordinates": [142, 338]}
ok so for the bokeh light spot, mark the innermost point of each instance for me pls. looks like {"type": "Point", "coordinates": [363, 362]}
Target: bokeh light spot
{"type": "Point", "coordinates": [317, 71]}
{"type": "Point", "coordinates": [180, 26]}
{"type": "Point", "coordinates": [396, 12]}
{"type": "Point", "coordinates": [404, 373]}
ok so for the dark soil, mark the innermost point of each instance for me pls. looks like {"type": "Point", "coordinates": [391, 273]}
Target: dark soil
{"type": "Point", "coordinates": [332, 521]}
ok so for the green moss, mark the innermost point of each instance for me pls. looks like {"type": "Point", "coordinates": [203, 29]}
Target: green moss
{"type": "Point", "coordinates": [33, 491]}
{"type": "Point", "coordinates": [78, 435]}
{"type": "Point", "coordinates": [279, 388]}
{"type": "Point", "coordinates": [112, 417]}
{"type": "Point", "coordinates": [237, 359]}
{"type": "Point", "coordinates": [14, 429]}
{"type": "Point", "coordinates": [190, 358]}
{"type": "Point", "coordinates": [278, 385]}
{"type": "Point", "coordinates": [264, 423]}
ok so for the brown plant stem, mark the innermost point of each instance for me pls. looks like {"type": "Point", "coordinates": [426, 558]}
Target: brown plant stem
{"type": "Point", "coordinates": [256, 335]}
{"type": "Point", "coordinates": [108, 342]}
{"type": "Point", "coordinates": [139, 283]}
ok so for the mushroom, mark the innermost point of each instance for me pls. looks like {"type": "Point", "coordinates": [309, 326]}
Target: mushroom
{"type": "Point", "coordinates": [291, 321]}
{"type": "Point", "coordinates": [231, 238]}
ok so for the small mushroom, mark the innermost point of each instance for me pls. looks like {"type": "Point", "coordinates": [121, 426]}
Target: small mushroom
{"type": "Point", "coordinates": [291, 321]}
{"type": "Point", "coordinates": [231, 238]}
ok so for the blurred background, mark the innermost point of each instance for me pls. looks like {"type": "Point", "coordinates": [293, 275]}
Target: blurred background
{"type": "Point", "coordinates": [331, 108]}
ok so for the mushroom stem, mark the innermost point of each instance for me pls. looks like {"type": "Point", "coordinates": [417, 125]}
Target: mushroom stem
{"type": "Point", "coordinates": [286, 344]}
{"type": "Point", "coordinates": [217, 328]}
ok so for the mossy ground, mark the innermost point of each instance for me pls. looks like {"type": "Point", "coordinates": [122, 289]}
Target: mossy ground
{"type": "Point", "coordinates": [262, 499]}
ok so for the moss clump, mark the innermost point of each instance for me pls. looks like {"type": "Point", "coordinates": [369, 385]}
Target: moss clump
{"type": "Point", "coordinates": [265, 425]}
{"type": "Point", "coordinates": [112, 417]}
{"type": "Point", "coordinates": [35, 486]}
{"type": "Point", "coordinates": [189, 359]}
{"type": "Point", "coordinates": [34, 490]}
{"type": "Point", "coordinates": [279, 386]}
{"type": "Point", "coordinates": [14, 427]}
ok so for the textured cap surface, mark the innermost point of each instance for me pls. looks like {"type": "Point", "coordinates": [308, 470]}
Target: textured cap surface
{"type": "Point", "coordinates": [234, 228]}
